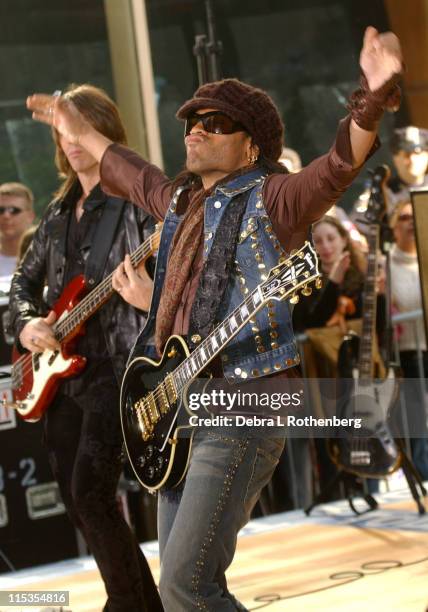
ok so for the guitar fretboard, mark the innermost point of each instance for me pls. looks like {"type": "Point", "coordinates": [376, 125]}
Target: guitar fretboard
{"type": "Point", "coordinates": [217, 340]}
{"type": "Point", "coordinates": [365, 364]}
{"type": "Point", "coordinates": [102, 292]}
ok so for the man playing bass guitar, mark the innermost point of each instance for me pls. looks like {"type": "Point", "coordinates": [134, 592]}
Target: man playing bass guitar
{"type": "Point", "coordinates": [82, 426]}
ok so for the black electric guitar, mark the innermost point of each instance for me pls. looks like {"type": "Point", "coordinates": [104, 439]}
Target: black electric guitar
{"type": "Point", "coordinates": [153, 407]}
{"type": "Point", "coordinates": [371, 451]}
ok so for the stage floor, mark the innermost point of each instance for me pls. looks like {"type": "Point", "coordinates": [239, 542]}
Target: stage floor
{"type": "Point", "coordinates": [332, 561]}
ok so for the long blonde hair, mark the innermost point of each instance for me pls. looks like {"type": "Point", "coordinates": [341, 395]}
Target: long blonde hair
{"type": "Point", "coordinates": [102, 113]}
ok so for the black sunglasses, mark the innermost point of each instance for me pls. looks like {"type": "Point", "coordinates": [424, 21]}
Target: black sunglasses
{"type": "Point", "coordinates": [12, 210]}
{"type": "Point", "coordinates": [213, 122]}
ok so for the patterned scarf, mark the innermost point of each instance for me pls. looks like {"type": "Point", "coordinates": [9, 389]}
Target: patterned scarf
{"type": "Point", "coordinates": [183, 250]}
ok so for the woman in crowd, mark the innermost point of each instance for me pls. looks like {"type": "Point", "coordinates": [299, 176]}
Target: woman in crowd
{"type": "Point", "coordinates": [342, 267]}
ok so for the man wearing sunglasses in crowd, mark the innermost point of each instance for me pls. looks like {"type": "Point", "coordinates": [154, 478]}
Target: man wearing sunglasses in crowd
{"type": "Point", "coordinates": [16, 216]}
{"type": "Point", "coordinates": [228, 218]}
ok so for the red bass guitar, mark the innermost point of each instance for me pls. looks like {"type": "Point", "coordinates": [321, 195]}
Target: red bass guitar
{"type": "Point", "coordinates": [36, 376]}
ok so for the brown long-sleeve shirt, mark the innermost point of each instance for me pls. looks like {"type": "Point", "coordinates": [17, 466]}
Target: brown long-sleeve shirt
{"type": "Point", "coordinates": [292, 201]}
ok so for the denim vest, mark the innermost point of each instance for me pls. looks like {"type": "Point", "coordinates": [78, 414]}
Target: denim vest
{"type": "Point", "coordinates": [266, 344]}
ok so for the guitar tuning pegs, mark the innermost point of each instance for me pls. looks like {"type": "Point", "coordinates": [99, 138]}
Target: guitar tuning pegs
{"type": "Point", "coordinates": [294, 299]}
{"type": "Point", "coordinates": [318, 283]}
{"type": "Point", "coordinates": [306, 290]}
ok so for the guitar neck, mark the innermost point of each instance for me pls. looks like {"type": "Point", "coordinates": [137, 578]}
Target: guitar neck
{"type": "Point", "coordinates": [217, 340]}
{"type": "Point", "coordinates": [102, 292]}
{"type": "Point", "coordinates": [365, 365]}
{"type": "Point", "coordinates": [283, 280]}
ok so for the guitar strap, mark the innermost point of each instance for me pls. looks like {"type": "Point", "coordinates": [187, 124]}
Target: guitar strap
{"type": "Point", "coordinates": [103, 240]}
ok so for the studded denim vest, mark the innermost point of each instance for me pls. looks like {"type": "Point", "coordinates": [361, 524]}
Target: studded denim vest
{"type": "Point", "coordinates": [266, 344]}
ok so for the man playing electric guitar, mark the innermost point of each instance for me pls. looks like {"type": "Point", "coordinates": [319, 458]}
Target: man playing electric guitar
{"type": "Point", "coordinates": [82, 425]}
{"type": "Point", "coordinates": [228, 227]}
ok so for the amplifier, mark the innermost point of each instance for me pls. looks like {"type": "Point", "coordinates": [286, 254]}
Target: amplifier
{"type": "Point", "coordinates": [34, 528]}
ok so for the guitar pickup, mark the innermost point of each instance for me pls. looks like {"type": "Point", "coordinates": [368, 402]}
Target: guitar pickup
{"type": "Point", "coordinates": [36, 361]}
{"type": "Point", "coordinates": [360, 458]}
{"type": "Point", "coordinates": [53, 357]}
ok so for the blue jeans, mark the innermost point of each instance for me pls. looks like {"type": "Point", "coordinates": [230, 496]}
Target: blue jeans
{"type": "Point", "coordinates": [198, 525]}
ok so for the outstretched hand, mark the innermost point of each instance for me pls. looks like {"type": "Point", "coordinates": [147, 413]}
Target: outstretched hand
{"type": "Point", "coordinates": [60, 113]}
{"type": "Point", "coordinates": [380, 57]}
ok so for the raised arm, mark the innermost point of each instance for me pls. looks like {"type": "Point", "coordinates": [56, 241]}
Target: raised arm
{"type": "Point", "coordinates": [123, 172]}
{"type": "Point", "coordinates": [295, 201]}
{"type": "Point", "coordinates": [381, 62]}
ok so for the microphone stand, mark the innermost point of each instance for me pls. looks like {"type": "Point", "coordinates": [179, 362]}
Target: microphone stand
{"type": "Point", "coordinates": [207, 50]}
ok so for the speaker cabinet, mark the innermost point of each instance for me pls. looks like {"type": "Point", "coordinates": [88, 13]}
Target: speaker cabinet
{"type": "Point", "coordinates": [34, 528]}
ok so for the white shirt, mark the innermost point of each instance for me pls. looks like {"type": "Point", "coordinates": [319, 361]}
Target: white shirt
{"type": "Point", "coordinates": [406, 296]}
{"type": "Point", "coordinates": [7, 269]}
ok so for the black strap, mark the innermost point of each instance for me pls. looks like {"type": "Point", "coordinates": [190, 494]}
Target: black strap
{"type": "Point", "coordinates": [217, 268]}
{"type": "Point", "coordinates": [103, 240]}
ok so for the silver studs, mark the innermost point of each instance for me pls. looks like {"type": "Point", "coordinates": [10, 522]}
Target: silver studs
{"type": "Point", "coordinates": [217, 204]}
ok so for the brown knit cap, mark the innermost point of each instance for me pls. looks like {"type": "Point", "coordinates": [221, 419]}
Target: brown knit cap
{"type": "Point", "coordinates": [250, 106]}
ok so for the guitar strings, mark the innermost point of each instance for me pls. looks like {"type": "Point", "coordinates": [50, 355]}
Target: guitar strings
{"type": "Point", "coordinates": [248, 301]}
{"type": "Point", "coordinates": [158, 392]}
{"type": "Point", "coordinates": [26, 360]}
{"type": "Point", "coordinates": [105, 285]}
{"type": "Point", "coordinates": [366, 346]}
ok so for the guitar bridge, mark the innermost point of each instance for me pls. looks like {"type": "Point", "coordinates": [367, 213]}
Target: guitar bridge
{"type": "Point", "coordinates": [360, 458]}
